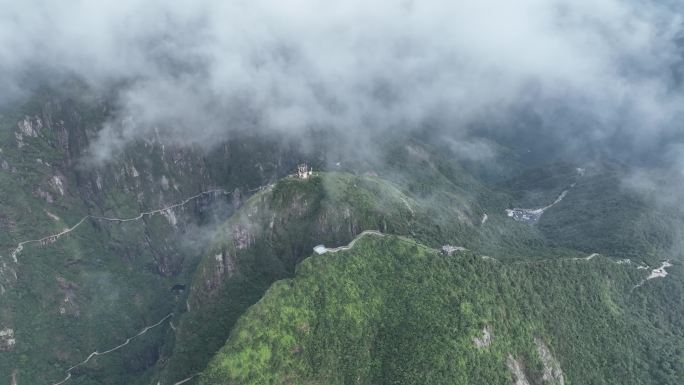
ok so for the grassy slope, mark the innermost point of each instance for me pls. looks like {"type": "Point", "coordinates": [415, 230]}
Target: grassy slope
{"type": "Point", "coordinates": [393, 312]}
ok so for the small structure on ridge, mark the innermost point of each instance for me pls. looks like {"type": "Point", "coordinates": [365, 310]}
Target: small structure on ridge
{"type": "Point", "coordinates": [320, 249]}
{"type": "Point", "coordinates": [303, 171]}
{"type": "Point", "coordinates": [450, 250]}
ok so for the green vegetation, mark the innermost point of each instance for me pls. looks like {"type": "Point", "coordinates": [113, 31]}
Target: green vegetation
{"type": "Point", "coordinates": [390, 311]}
{"type": "Point", "coordinates": [429, 202]}
{"type": "Point", "coordinates": [264, 241]}
{"type": "Point", "coordinates": [105, 281]}
{"type": "Point", "coordinates": [603, 215]}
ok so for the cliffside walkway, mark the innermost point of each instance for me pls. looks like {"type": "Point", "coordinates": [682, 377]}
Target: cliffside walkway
{"type": "Point", "coordinates": [53, 237]}
{"type": "Point", "coordinates": [98, 353]}
{"type": "Point", "coordinates": [320, 249]}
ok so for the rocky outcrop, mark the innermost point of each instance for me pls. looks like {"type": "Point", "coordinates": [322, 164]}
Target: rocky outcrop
{"type": "Point", "coordinates": [7, 340]}
{"type": "Point", "coordinates": [30, 126]}
{"type": "Point", "coordinates": [236, 199]}
{"type": "Point", "coordinates": [552, 375]}
{"type": "Point", "coordinates": [485, 340]}
{"type": "Point", "coordinates": [8, 275]}
{"type": "Point", "coordinates": [225, 265]}
{"type": "Point", "coordinates": [214, 274]}
{"type": "Point", "coordinates": [517, 370]}
{"type": "Point", "coordinates": [57, 183]}
{"type": "Point", "coordinates": [68, 305]}
{"type": "Point", "coordinates": [242, 237]}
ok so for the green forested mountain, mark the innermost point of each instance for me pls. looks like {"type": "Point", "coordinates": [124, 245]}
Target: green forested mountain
{"type": "Point", "coordinates": [176, 263]}
{"type": "Point", "coordinates": [393, 311]}
{"type": "Point", "coordinates": [433, 192]}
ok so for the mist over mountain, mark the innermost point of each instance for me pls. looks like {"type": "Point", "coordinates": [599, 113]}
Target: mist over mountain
{"type": "Point", "coordinates": [595, 79]}
{"type": "Point", "coordinates": [305, 192]}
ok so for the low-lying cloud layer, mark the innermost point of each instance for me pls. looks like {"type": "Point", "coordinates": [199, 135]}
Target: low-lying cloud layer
{"type": "Point", "coordinates": [595, 72]}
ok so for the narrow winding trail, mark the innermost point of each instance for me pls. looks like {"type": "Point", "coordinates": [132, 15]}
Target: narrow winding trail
{"type": "Point", "coordinates": [659, 272]}
{"type": "Point", "coordinates": [322, 249]}
{"type": "Point", "coordinates": [186, 380]}
{"type": "Point", "coordinates": [98, 353]}
{"type": "Point", "coordinates": [533, 215]}
{"type": "Point", "coordinates": [588, 257]}
{"type": "Point", "coordinates": [53, 237]}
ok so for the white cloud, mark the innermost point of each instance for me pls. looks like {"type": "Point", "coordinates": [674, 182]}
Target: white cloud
{"type": "Point", "coordinates": [200, 69]}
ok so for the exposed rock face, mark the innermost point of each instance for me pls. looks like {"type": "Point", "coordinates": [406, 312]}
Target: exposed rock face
{"type": "Point", "coordinates": [225, 264]}
{"type": "Point", "coordinates": [241, 237]}
{"type": "Point", "coordinates": [164, 183]}
{"type": "Point", "coordinates": [236, 199]}
{"type": "Point", "coordinates": [551, 375]}
{"type": "Point", "coordinates": [7, 340]}
{"type": "Point", "coordinates": [57, 183]}
{"type": "Point", "coordinates": [485, 340]}
{"type": "Point", "coordinates": [30, 126]}
{"type": "Point", "coordinates": [68, 305]}
{"type": "Point", "coordinates": [215, 274]}
{"type": "Point", "coordinates": [39, 192]}
{"type": "Point", "coordinates": [8, 275]}
{"type": "Point", "coordinates": [517, 370]}
{"type": "Point", "coordinates": [170, 217]}
{"type": "Point", "coordinates": [552, 370]}
{"type": "Point", "coordinates": [451, 250]}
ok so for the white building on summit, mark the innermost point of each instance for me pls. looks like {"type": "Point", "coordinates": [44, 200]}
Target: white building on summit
{"type": "Point", "coordinates": [303, 171]}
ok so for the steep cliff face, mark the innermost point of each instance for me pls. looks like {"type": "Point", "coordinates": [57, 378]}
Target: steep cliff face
{"type": "Point", "coordinates": [88, 253]}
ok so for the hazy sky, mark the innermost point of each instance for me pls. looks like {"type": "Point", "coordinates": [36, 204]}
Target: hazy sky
{"type": "Point", "coordinates": [598, 70]}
